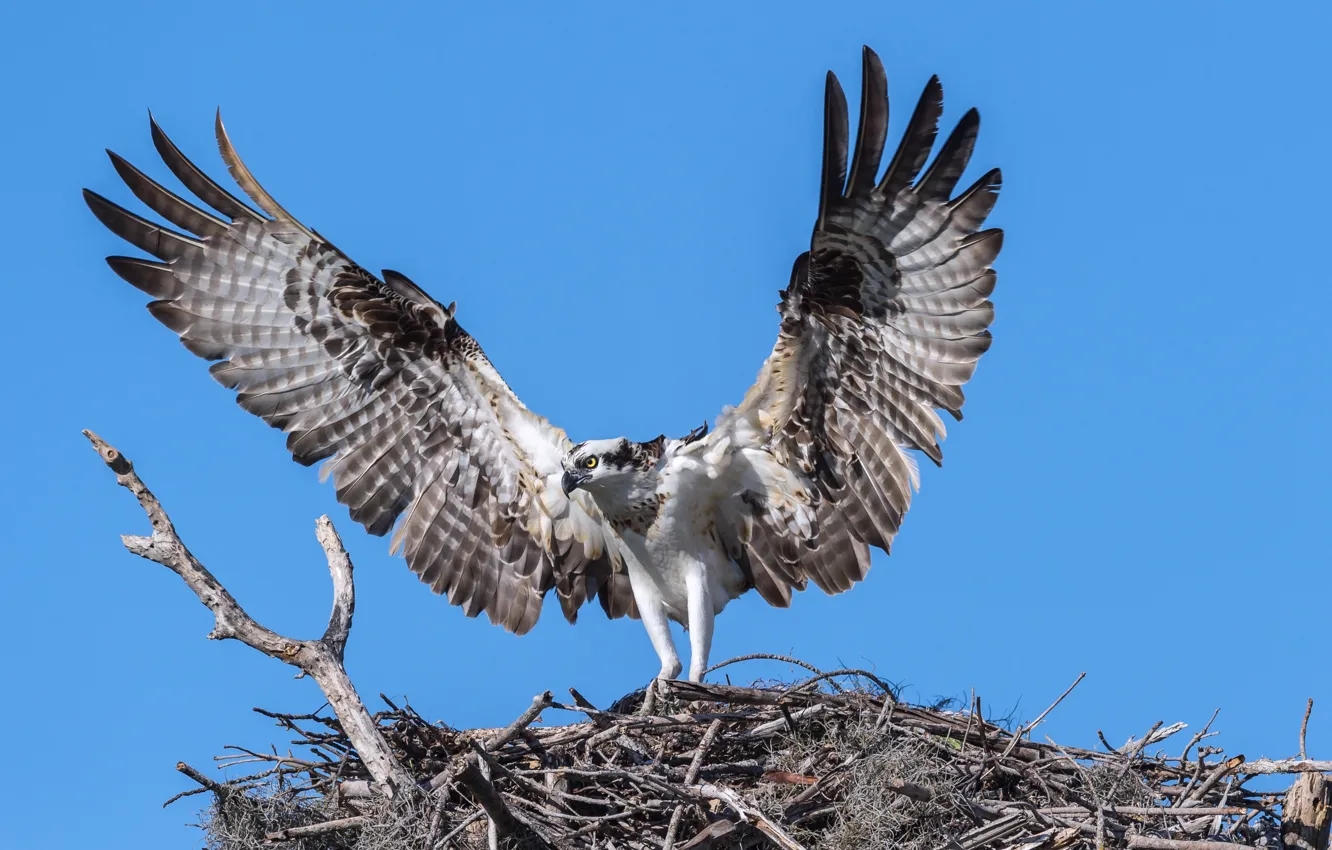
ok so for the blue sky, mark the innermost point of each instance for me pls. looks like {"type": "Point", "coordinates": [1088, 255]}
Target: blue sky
{"type": "Point", "coordinates": [614, 196]}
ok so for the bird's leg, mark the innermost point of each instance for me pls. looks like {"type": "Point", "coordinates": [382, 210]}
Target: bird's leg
{"type": "Point", "coordinates": [659, 629]}
{"type": "Point", "coordinates": [653, 612]}
{"type": "Point", "coordinates": [701, 615]}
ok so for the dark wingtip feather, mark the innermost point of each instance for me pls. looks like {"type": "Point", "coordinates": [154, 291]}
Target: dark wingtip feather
{"type": "Point", "coordinates": [977, 200]}
{"type": "Point", "coordinates": [872, 132]}
{"type": "Point", "coordinates": [193, 178]}
{"type": "Point", "coordinates": [179, 321]}
{"type": "Point", "coordinates": [835, 140]}
{"type": "Point", "coordinates": [165, 203]}
{"type": "Point", "coordinates": [170, 315]}
{"type": "Point", "coordinates": [992, 238]}
{"type": "Point", "coordinates": [942, 176]}
{"type": "Point", "coordinates": [916, 141]}
{"type": "Point", "coordinates": [224, 373]}
{"type": "Point", "coordinates": [159, 241]}
{"type": "Point", "coordinates": [153, 278]}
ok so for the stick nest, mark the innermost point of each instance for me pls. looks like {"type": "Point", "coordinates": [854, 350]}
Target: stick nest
{"type": "Point", "coordinates": [834, 761]}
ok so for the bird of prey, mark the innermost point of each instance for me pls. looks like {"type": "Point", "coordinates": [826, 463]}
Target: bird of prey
{"type": "Point", "coordinates": [882, 323]}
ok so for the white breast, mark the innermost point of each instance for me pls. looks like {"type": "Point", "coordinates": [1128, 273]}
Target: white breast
{"type": "Point", "coordinates": [671, 551]}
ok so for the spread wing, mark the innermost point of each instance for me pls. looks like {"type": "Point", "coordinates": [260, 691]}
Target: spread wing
{"type": "Point", "coordinates": [883, 322]}
{"type": "Point", "coordinates": [380, 380]}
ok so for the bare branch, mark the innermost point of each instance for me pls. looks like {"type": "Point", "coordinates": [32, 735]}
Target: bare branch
{"type": "Point", "coordinates": [344, 589]}
{"type": "Point", "coordinates": [539, 704]}
{"type": "Point", "coordinates": [211, 784]}
{"type": "Point", "coordinates": [1304, 728]}
{"type": "Point", "coordinates": [473, 777]}
{"type": "Point", "coordinates": [1266, 766]}
{"type": "Point", "coordinates": [1037, 722]}
{"type": "Point", "coordinates": [453, 833]}
{"type": "Point", "coordinates": [320, 659]}
{"type": "Point", "coordinates": [691, 776]}
{"type": "Point", "coordinates": [1216, 776]}
{"type": "Point", "coordinates": [293, 832]}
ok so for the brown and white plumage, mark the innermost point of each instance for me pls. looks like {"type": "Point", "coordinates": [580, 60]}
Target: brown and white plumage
{"type": "Point", "coordinates": [882, 323]}
{"type": "Point", "coordinates": [381, 380]}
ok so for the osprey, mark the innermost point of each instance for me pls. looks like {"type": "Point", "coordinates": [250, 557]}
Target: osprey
{"type": "Point", "coordinates": [882, 322]}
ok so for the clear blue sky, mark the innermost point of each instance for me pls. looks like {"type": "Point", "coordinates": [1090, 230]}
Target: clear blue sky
{"type": "Point", "coordinates": [614, 196]}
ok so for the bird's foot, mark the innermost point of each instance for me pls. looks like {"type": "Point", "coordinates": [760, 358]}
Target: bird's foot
{"type": "Point", "coordinates": [654, 698]}
{"type": "Point", "coordinates": [649, 706]}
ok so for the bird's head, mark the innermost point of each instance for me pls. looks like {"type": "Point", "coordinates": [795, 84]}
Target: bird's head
{"type": "Point", "coordinates": [603, 467]}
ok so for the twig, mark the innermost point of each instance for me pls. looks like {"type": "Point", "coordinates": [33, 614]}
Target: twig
{"type": "Point", "coordinates": [764, 656]}
{"type": "Point", "coordinates": [453, 833]}
{"type": "Point", "coordinates": [1091, 789]}
{"type": "Point", "coordinates": [189, 792]}
{"type": "Point", "coordinates": [910, 790]}
{"type": "Point", "coordinates": [691, 776]}
{"type": "Point", "coordinates": [786, 721]}
{"type": "Point", "coordinates": [539, 704]}
{"type": "Point", "coordinates": [487, 797]}
{"type": "Point", "coordinates": [1199, 736]}
{"type": "Point", "coordinates": [294, 832]}
{"type": "Point", "coordinates": [1215, 776]}
{"type": "Point", "coordinates": [211, 784]}
{"type": "Point", "coordinates": [1033, 724]}
{"type": "Point", "coordinates": [760, 820]}
{"type": "Point", "coordinates": [1304, 728]}
{"type": "Point", "coordinates": [801, 686]}
{"type": "Point", "coordinates": [1106, 743]}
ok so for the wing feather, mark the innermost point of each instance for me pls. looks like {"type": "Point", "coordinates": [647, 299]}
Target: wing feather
{"type": "Point", "coordinates": [200, 184]}
{"type": "Point", "coordinates": [379, 379]}
{"type": "Point", "coordinates": [882, 324]}
{"type": "Point", "coordinates": [162, 242]}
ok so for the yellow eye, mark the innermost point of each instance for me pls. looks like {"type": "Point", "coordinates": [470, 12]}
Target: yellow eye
{"type": "Point", "coordinates": [590, 463]}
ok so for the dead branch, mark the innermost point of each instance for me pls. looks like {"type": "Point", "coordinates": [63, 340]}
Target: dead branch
{"type": "Point", "coordinates": [1040, 717]}
{"type": "Point", "coordinates": [1267, 766]}
{"type": "Point", "coordinates": [691, 776]}
{"type": "Point", "coordinates": [320, 659]}
{"type": "Point", "coordinates": [295, 832]}
{"type": "Point", "coordinates": [1304, 728]}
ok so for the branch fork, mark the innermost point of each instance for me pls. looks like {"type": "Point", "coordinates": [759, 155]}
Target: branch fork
{"type": "Point", "coordinates": [320, 659]}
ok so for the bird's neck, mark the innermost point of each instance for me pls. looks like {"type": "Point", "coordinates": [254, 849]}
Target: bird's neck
{"type": "Point", "coordinates": [631, 503]}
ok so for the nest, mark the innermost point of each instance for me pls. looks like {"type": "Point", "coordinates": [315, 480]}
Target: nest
{"type": "Point", "coordinates": [835, 761]}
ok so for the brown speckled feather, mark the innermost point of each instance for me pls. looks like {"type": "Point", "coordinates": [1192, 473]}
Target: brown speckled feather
{"type": "Point", "coordinates": [883, 322]}
{"type": "Point", "coordinates": [378, 379]}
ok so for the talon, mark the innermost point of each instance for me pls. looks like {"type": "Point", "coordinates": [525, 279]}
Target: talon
{"type": "Point", "coordinates": [649, 706]}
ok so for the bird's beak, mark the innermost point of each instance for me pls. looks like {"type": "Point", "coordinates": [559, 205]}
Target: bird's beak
{"type": "Point", "coordinates": [570, 482]}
